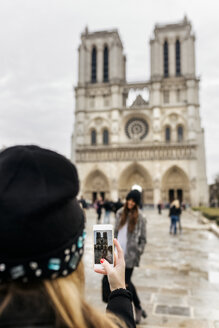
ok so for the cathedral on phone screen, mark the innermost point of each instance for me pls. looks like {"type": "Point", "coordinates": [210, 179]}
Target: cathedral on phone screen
{"type": "Point", "coordinates": [103, 246]}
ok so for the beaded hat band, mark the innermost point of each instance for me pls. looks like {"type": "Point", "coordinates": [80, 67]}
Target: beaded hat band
{"type": "Point", "coordinates": [58, 263]}
{"type": "Point", "coordinates": [41, 222]}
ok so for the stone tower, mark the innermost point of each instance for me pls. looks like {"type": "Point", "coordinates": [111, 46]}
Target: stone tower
{"type": "Point", "coordinates": [157, 143]}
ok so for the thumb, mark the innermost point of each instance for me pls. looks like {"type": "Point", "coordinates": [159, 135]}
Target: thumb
{"type": "Point", "coordinates": [106, 265]}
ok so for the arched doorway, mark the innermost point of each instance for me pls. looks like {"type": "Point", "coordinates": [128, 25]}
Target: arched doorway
{"type": "Point", "coordinates": [96, 184]}
{"type": "Point", "coordinates": [136, 174]}
{"type": "Point", "coordinates": [175, 184]}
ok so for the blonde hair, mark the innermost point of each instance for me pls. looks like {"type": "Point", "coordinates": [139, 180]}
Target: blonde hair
{"type": "Point", "coordinates": [66, 296]}
{"type": "Point", "coordinates": [175, 203]}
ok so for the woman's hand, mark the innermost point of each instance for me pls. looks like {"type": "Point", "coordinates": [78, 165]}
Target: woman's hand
{"type": "Point", "coordinates": [116, 274]}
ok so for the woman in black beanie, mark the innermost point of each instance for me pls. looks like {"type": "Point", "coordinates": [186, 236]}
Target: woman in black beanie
{"type": "Point", "coordinates": [130, 231]}
{"type": "Point", "coordinates": [41, 245]}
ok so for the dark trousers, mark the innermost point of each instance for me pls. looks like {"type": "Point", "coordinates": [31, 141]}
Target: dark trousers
{"type": "Point", "coordinates": [173, 226]}
{"type": "Point", "coordinates": [98, 216]}
{"type": "Point", "coordinates": [131, 287]}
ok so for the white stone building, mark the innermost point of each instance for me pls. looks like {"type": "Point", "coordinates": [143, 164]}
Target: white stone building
{"type": "Point", "coordinates": [157, 143]}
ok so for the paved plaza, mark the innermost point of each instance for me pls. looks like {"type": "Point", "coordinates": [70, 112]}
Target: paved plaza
{"type": "Point", "coordinates": [178, 278]}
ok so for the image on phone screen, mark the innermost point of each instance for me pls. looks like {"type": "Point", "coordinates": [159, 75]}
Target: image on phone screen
{"type": "Point", "coordinates": [103, 246]}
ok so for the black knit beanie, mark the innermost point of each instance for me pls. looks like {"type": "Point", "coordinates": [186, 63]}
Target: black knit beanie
{"type": "Point", "coordinates": [41, 222]}
{"type": "Point", "coordinates": [135, 196]}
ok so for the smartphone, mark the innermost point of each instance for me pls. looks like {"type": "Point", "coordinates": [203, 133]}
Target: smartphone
{"type": "Point", "coordinates": [103, 244]}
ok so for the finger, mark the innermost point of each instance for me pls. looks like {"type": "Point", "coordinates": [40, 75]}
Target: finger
{"type": "Point", "coordinates": [115, 259]}
{"type": "Point", "coordinates": [106, 266]}
{"type": "Point", "coordinates": [119, 248]}
{"type": "Point", "coordinates": [101, 271]}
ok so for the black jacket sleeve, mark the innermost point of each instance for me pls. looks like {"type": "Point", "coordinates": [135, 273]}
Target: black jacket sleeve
{"type": "Point", "coordinates": [120, 303]}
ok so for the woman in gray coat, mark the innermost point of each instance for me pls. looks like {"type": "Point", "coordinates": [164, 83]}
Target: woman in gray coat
{"type": "Point", "coordinates": [130, 230]}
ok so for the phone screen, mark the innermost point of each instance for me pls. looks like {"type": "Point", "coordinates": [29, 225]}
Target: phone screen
{"type": "Point", "coordinates": [103, 246]}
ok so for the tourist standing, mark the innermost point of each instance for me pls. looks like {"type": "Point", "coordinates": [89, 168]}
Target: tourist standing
{"type": "Point", "coordinates": [174, 215]}
{"type": "Point", "coordinates": [130, 230]}
{"type": "Point", "coordinates": [107, 205]}
{"type": "Point", "coordinates": [99, 206]}
{"type": "Point", "coordinates": [117, 205]}
{"type": "Point", "coordinates": [83, 203]}
{"type": "Point", "coordinates": [159, 207]}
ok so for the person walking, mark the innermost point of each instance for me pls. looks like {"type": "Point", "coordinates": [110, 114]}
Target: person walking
{"type": "Point", "coordinates": [159, 207]}
{"type": "Point", "coordinates": [83, 203]}
{"type": "Point", "coordinates": [174, 215]}
{"type": "Point", "coordinates": [42, 236]}
{"type": "Point", "coordinates": [117, 205]}
{"type": "Point", "coordinates": [99, 205]}
{"type": "Point", "coordinates": [179, 217]}
{"type": "Point", "coordinates": [107, 205]}
{"type": "Point", "coordinates": [130, 230]}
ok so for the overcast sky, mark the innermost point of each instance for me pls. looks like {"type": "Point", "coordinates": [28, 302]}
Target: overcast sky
{"type": "Point", "coordinates": [38, 62]}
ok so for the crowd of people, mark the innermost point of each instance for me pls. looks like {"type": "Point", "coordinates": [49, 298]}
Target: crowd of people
{"type": "Point", "coordinates": [42, 234]}
{"type": "Point", "coordinates": [104, 208]}
{"type": "Point", "coordinates": [107, 206]}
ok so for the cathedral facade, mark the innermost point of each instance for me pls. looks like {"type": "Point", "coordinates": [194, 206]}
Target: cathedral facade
{"type": "Point", "coordinates": [157, 141]}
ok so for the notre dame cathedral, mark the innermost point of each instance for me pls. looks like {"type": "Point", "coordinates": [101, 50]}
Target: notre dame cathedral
{"type": "Point", "coordinates": [156, 142]}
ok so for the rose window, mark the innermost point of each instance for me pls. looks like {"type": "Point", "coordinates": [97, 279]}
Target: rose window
{"type": "Point", "coordinates": [136, 129]}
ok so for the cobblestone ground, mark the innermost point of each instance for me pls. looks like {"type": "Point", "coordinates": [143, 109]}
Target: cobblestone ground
{"type": "Point", "coordinates": [178, 279]}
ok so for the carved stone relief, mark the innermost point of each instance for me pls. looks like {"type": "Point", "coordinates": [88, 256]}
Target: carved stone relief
{"type": "Point", "coordinates": [98, 120]}
{"type": "Point", "coordinates": [136, 178]}
{"type": "Point", "coordinates": [175, 180]}
{"type": "Point", "coordinates": [173, 117]}
{"type": "Point", "coordinates": [150, 153]}
{"type": "Point", "coordinates": [98, 184]}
